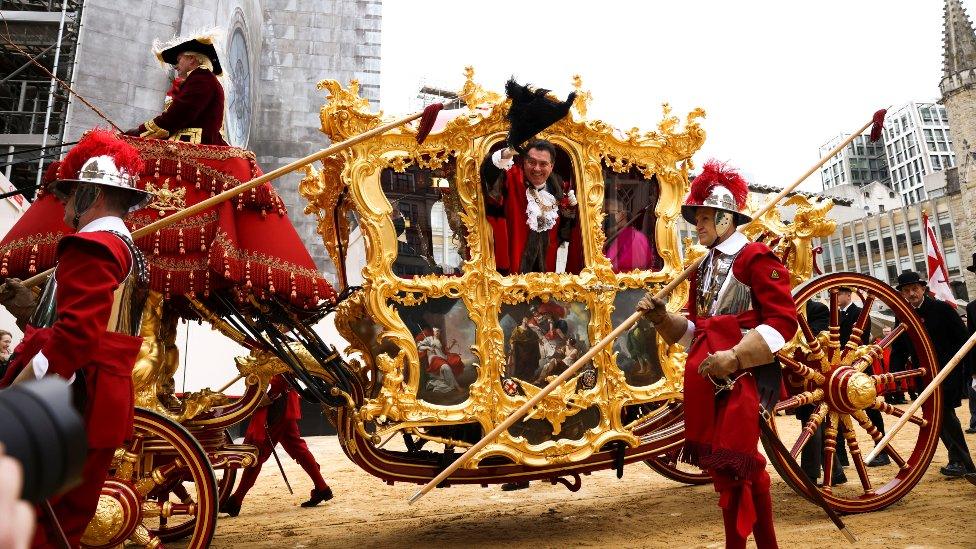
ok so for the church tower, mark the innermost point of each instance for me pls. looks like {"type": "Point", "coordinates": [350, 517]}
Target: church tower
{"type": "Point", "coordinates": [958, 88]}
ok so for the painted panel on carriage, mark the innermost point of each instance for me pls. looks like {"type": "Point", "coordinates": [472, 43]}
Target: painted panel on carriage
{"type": "Point", "coordinates": [542, 339]}
{"type": "Point", "coordinates": [427, 220]}
{"type": "Point", "coordinates": [637, 348]}
{"type": "Point", "coordinates": [629, 221]}
{"type": "Point", "coordinates": [444, 335]}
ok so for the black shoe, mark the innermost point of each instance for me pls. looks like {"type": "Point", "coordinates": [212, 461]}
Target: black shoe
{"type": "Point", "coordinates": [880, 460]}
{"type": "Point", "coordinates": [232, 507]}
{"type": "Point", "coordinates": [512, 486]}
{"type": "Point", "coordinates": [837, 480]}
{"type": "Point", "coordinates": [318, 496]}
{"type": "Point", "coordinates": [954, 470]}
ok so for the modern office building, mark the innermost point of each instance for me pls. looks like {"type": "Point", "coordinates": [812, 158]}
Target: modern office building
{"type": "Point", "coordinates": [859, 163]}
{"type": "Point", "coordinates": [918, 142]}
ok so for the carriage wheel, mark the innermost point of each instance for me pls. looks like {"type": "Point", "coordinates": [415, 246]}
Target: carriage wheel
{"type": "Point", "coordinates": [667, 463]}
{"type": "Point", "coordinates": [840, 387]}
{"type": "Point", "coordinates": [170, 531]}
{"type": "Point", "coordinates": [162, 454]}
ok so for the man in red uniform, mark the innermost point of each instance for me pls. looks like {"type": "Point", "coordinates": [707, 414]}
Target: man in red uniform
{"type": "Point", "coordinates": [274, 422]}
{"type": "Point", "coordinates": [740, 312]}
{"type": "Point", "coordinates": [84, 326]}
{"type": "Point", "coordinates": [196, 112]}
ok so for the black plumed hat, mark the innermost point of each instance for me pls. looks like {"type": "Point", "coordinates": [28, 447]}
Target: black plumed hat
{"type": "Point", "coordinates": [531, 112]}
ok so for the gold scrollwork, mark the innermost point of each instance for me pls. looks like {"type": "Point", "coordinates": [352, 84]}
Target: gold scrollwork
{"type": "Point", "coordinates": [387, 350]}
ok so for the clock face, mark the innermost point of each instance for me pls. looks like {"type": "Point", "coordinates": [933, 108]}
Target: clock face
{"type": "Point", "coordinates": [239, 91]}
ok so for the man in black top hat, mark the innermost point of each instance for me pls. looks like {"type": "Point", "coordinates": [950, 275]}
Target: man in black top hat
{"type": "Point", "coordinates": [971, 381]}
{"type": "Point", "coordinates": [196, 114]}
{"type": "Point", "coordinates": [947, 333]}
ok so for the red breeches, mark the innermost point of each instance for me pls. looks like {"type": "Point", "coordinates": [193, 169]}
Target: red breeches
{"type": "Point", "coordinates": [740, 502]}
{"type": "Point", "coordinates": [284, 432]}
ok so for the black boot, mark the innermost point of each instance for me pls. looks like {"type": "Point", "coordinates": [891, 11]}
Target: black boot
{"type": "Point", "coordinates": [511, 486]}
{"type": "Point", "coordinates": [318, 496]}
{"type": "Point", "coordinates": [232, 507]}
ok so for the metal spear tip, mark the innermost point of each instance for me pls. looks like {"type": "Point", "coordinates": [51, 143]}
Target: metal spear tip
{"type": "Point", "coordinates": [415, 497]}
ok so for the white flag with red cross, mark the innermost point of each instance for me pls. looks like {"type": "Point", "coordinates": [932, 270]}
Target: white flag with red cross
{"type": "Point", "coordinates": [938, 275]}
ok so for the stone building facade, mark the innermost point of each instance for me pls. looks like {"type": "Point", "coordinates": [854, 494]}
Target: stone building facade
{"type": "Point", "coordinates": [274, 52]}
{"type": "Point", "coordinates": [959, 98]}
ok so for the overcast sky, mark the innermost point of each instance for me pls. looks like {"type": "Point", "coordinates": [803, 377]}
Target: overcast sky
{"type": "Point", "coordinates": [777, 79]}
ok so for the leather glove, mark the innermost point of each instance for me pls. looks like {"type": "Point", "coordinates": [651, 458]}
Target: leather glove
{"type": "Point", "coordinates": [18, 299]}
{"type": "Point", "coordinates": [719, 365]}
{"type": "Point", "coordinates": [749, 352]}
{"type": "Point", "coordinates": [670, 326]}
{"type": "Point", "coordinates": [654, 309]}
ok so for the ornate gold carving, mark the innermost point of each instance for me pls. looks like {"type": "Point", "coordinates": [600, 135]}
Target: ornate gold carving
{"type": "Point", "coordinates": [861, 390]}
{"type": "Point", "coordinates": [107, 523]}
{"type": "Point", "coordinates": [792, 242]}
{"type": "Point", "coordinates": [166, 199]}
{"type": "Point", "coordinates": [158, 360]}
{"type": "Point", "coordinates": [473, 94]}
{"type": "Point", "coordinates": [386, 350]}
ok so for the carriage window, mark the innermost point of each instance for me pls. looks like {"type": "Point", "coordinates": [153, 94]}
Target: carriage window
{"type": "Point", "coordinates": [427, 220]}
{"type": "Point", "coordinates": [629, 221]}
{"type": "Point", "coordinates": [534, 229]}
{"type": "Point", "coordinates": [444, 335]}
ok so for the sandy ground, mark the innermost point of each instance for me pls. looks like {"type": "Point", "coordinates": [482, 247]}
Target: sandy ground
{"type": "Point", "coordinates": [643, 509]}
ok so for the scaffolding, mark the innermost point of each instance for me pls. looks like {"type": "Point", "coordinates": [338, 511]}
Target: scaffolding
{"type": "Point", "coordinates": [32, 106]}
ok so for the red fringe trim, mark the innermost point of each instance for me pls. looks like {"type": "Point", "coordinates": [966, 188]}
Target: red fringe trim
{"type": "Point", "coordinates": [735, 464]}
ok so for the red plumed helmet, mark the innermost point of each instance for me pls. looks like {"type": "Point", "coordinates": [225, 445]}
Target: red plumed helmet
{"type": "Point", "coordinates": [717, 186]}
{"type": "Point", "coordinates": [102, 158]}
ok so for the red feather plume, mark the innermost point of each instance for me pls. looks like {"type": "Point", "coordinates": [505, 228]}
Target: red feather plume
{"type": "Point", "coordinates": [51, 173]}
{"type": "Point", "coordinates": [714, 174]}
{"type": "Point", "coordinates": [101, 142]}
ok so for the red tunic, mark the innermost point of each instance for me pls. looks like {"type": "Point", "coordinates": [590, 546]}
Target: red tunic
{"type": "Point", "coordinates": [257, 429]}
{"type": "Point", "coordinates": [722, 432]}
{"type": "Point", "coordinates": [198, 103]}
{"type": "Point", "coordinates": [90, 268]}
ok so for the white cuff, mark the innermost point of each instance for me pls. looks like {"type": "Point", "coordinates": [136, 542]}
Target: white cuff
{"type": "Point", "coordinates": [40, 366]}
{"type": "Point", "coordinates": [501, 163]}
{"type": "Point", "coordinates": [685, 340]}
{"type": "Point", "coordinates": [774, 340]}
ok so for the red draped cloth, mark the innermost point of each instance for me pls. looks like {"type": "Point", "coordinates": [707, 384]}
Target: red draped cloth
{"type": "Point", "coordinates": [247, 242]}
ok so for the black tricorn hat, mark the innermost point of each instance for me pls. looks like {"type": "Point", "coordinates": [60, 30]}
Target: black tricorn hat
{"type": "Point", "coordinates": [909, 277]}
{"type": "Point", "coordinates": [531, 112]}
{"type": "Point", "coordinates": [196, 45]}
{"type": "Point", "coordinates": [972, 268]}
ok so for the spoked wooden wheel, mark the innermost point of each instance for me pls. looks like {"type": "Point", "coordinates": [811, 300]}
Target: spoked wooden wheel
{"type": "Point", "coordinates": [841, 388]}
{"type": "Point", "coordinates": [136, 498]}
{"type": "Point", "coordinates": [175, 530]}
{"type": "Point", "coordinates": [667, 463]}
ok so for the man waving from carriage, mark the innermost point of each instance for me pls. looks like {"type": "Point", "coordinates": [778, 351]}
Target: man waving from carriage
{"type": "Point", "coordinates": [740, 312]}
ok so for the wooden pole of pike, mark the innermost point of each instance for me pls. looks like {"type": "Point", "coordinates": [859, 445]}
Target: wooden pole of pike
{"type": "Point", "coordinates": [624, 326]}
{"type": "Point", "coordinates": [918, 402]}
{"type": "Point", "coordinates": [244, 187]}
